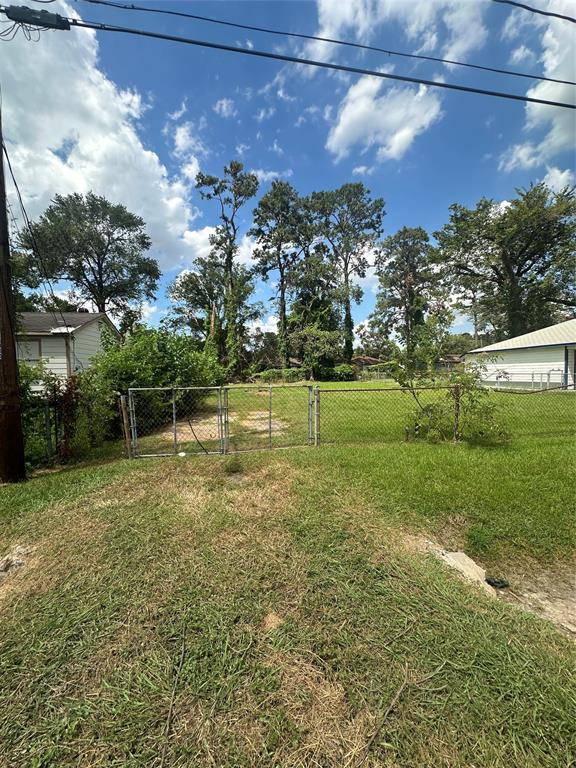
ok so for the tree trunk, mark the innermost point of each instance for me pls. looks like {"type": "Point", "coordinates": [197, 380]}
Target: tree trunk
{"type": "Point", "coordinates": [348, 325]}
{"type": "Point", "coordinates": [514, 311]}
{"type": "Point", "coordinates": [282, 323]}
{"type": "Point", "coordinates": [230, 315]}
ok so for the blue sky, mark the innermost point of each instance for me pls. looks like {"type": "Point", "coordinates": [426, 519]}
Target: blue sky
{"type": "Point", "coordinates": [134, 119]}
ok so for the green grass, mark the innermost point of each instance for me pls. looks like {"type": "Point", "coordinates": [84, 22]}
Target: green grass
{"type": "Point", "coordinates": [264, 610]}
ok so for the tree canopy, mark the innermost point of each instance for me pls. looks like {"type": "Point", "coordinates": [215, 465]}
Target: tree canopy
{"type": "Point", "coordinates": [519, 256]}
{"type": "Point", "coordinates": [231, 191]}
{"type": "Point", "coordinates": [97, 246]}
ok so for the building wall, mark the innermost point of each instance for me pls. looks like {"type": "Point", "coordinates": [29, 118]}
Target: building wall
{"type": "Point", "coordinates": [86, 343]}
{"type": "Point", "coordinates": [50, 349]}
{"type": "Point", "coordinates": [519, 367]}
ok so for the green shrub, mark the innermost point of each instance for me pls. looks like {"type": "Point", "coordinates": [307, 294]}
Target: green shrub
{"type": "Point", "coordinates": [344, 372]}
{"type": "Point", "coordinates": [462, 413]}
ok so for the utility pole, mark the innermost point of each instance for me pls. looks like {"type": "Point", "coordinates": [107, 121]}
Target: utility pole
{"type": "Point", "coordinates": [12, 463]}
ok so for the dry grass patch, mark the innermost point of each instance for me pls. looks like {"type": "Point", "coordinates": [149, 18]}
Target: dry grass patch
{"type": "Point", "coordinates": [330, 734]}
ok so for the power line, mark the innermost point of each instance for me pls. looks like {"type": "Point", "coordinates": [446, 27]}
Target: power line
{"type": "Point", "coordinates": [30, 229]}
{"type": "Point", "coordinates": [536, 10]}
{"type": "Point", "coordinates": [302, 36]}
{"type": "Point", "coordinates": [307, 62]}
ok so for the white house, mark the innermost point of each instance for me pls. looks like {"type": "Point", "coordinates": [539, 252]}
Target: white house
{"type": "Point", "coordinates": [537, 360]}
{"type": "Point", "coordinates": [65, 341]}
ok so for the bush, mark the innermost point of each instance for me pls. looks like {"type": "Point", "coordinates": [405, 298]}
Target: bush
{"type": "Point", "coordinates": [286, 375]}
{"type": "Point", "coordinates": [344, 372]}
{"type": "Point", "coordinates": [464, 413]}
{"type": "Point", "coordinates": [149, 358]}
{"type": "Point", "coordinates": [156, 358]}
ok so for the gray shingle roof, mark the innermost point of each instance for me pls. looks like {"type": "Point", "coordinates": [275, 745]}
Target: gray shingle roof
{"type": "Point", "coordinates": [46, 322]}
{"type": "Point", "coordinates": [561, 333]}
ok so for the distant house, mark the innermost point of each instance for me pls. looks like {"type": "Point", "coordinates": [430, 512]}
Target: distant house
{"type": "Point", "coordinates": [66, 342]}
{"type": "Point", "coordinates": [448, 362]}
{"type": "Point", "coordinates": [363, 361]}
{"type": "Point", "coordinates": [541, 359]}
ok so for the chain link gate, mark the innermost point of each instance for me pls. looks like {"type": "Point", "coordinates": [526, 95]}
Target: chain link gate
{"type": "Point", "coordinates": [166, 421]}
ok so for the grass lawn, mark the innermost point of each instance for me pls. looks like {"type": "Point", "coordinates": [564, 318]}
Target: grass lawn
{"type": "Point", "coordinates": [268, 610]}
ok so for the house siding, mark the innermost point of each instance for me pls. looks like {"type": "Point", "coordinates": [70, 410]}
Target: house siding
{"type": "Point", "coordinates": [86, 344]}
{"type": "Point", "coordinates": [520, 367]}
{"type": "Point", "coordinates": [52, 350]}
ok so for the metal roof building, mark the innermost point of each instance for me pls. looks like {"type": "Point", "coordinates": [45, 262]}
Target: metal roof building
{"type": "Point", "coordinates": [540, 359]}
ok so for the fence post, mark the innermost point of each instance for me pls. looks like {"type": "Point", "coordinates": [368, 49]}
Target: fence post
{"type": "Point", "coordinates": [48, 431]}
{"type": "Point", "coordinates": [226, 421]}
{"type": "Point", "coordinates": [310, 414]}
{"type": "Point", "coordinates": [270, 416]}
{"type": "Point", "coordinates": [125, 425]}
{"type": "Point", "coordinates": [220, 429]}
{"type": "Point", "coordinates": [456, 395]}
{"type": "Point", "coordinates": [133, 426]}
{"type": "Point", "coordinates": [317, 416]}
{"type": "Point", "coordinates": [174, 421]}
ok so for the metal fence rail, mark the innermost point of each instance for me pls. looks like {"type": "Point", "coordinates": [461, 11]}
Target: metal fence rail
{"type": "Point", "coordinates": [196, 420]}
{"type": "Point", "coordinates": [188, 420]}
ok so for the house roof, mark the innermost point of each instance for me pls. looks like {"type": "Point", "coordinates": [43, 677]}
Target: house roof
{"type": "Point", "coordinates": [561, 333]}
{"type": "Point", "coordinates": [46, 323]}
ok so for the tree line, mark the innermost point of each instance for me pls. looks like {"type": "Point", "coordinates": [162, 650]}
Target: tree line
{"type": "Point", "coordinates": [510, 268]}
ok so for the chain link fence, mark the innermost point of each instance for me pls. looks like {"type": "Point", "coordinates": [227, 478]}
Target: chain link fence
{"type": "Point", "coordinates": [167, 421]}
{"type": "Point", "coordinates": [190, 420]}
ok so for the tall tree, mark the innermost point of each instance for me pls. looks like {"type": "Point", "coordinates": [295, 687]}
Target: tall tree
{"type": "Point", "coordinates": [231, 192]}
{"type": "Point", "coordinates": [98, 247]}
{"type": "Point", "coordinates": [198, 302]}
{"type": "Point", "coordinates": [521, 256]}
{"type": "Point", "coordinates": [351, 223]}
{"type": "Point", "coordinates": [407, 284]}
{"type": "Point", "coordinates": [278, 228]}
{"type": "Point", "coordinates": [374, 338]}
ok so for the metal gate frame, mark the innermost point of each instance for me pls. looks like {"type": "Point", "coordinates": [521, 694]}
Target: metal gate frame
{"type": "Point", "coordinates": [222, 418]}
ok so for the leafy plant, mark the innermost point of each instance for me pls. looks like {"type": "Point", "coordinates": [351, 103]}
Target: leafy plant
{"type": "Point", "coordinates": [344, 372]}
{"type": "Point", "coordinates": [464, 412]}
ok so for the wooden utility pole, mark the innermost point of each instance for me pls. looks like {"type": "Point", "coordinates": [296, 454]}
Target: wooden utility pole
{"type": "Point", "coordinates": [12, 463]}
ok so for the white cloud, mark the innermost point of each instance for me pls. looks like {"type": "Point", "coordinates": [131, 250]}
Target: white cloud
{"type": "Point", "coordinates": [363, 170]}
{"type": "Point", "coordinates": [180, 112]}
{"type": "Point", "coordinates": [522, 54]}
{"type": "Point", "coordinates": [241, 149]}
{"type": "Point", "coordinates": [458, 23]}
{"type": "Point", "coordinates": [281, 93]}
{"type": "Point", "coordinates": [246, 250]}
{"type": "Point", "coordinates": [389, 121]}
{"type": "Point", "coordinates": [522, 156]}
{"type": "Point", "coordinates": [553, 127]}
{"type": "Point", "coordinates": [148, 310]}
{"type": "Point", "coordinates": [557, 180]}
{"type": "Point", "coordinates": [191, 168]}
{"type": "Point", "coordinates": [265, 113]}
{"type": "Point", "coordinates": [76, 131]}
{"type": "Point", "coordinates": [276, 148]}
{"type": "Point", "coordinates": [186, 140]}
{"type": "Point", "coordinates": [264, 176]}
{"type": "Point", "coordinates": [266, 325]}
{"type": "Point", "coordinates": [369, 283]}
{"type": "Point", "coordinates": [225, 108]}
{"type": "Point", "coordinates": [309, 113]}
{"type": "Point", "coordinates": [198, 242]}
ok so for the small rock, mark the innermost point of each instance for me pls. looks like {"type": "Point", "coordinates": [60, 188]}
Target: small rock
{"type": "Point", "coordinates": [499, 582]}
{"type": "Point", "coordinates": [467, 567]}
{"type": "Point", "coordinates": [14, 560]}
